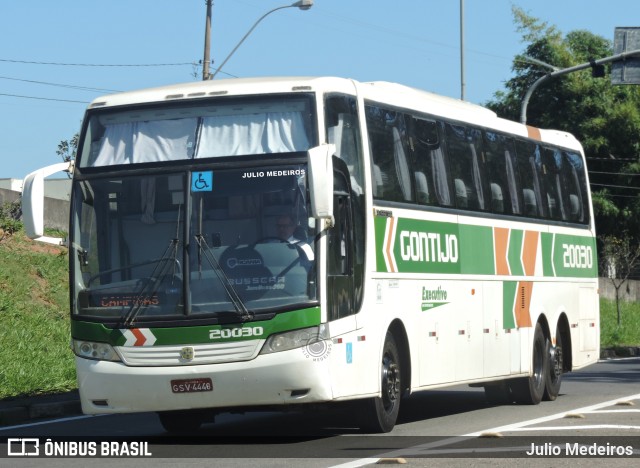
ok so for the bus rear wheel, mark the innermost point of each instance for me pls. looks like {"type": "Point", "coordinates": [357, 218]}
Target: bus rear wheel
{"type": "Point", "coordinates": [553, 377]}
{"type": "Point", "coordinates": [379, 414]}
{"type": "Point", "coordinates": [530, 390]}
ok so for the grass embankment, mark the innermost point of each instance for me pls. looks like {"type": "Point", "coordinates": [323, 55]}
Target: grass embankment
{"type": "Point", "coordinates": [628, 334]}
{"type": "Point", "coordinates": [34, 319]}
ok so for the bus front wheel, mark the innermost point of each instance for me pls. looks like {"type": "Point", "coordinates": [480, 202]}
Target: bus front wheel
{"type": "Point", "coordinates": [379, 414]}
{"type": "Point", "coordinates": [530, 390]}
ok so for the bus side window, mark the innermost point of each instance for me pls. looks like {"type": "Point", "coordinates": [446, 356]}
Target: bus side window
{"type": "Point", "coordinates": [431, 175]}
{"type": "Point", "coordinates": [552, 183]}
{"type": "Point", "coordinates": [501, 173]}
{"type": "Point", "coordinates": [575, 184]}
{"type": "Point", "coordinates": [387, 139]}
{"type": "Point", "coordinates": [529, 169]}
{"type": "Point", "coordinates": [465, 160]}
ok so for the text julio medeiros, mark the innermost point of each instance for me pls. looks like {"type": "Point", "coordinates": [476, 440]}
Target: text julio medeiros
{"type": "Point", "coordinates": [579, 450]}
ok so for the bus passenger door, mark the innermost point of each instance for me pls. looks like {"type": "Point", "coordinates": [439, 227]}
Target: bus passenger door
{"type": "Point", "coordinates": [340, 267]}
{"type": "Point", "coordinates": [348, 355]}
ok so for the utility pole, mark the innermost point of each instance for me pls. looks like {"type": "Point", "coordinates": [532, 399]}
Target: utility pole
{"type": "Point", "coordinates": [462, 83]}
{"type": "Point", "coordinates": [207, 43]}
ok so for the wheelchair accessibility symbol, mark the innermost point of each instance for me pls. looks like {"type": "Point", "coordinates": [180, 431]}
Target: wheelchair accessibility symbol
{"type": "Point", "coordinates": [202, 181]}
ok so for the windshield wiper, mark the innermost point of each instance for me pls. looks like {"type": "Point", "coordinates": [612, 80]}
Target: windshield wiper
{"type": "Point", "coordinates": [169, 256]}
{"type": "Point", "coordinates": [160, 271]}
{"type": "Point", "coordinates": [203, 248]}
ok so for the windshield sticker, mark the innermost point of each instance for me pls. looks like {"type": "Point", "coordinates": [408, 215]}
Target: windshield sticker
{"type": "Point", "coordinates": [280, 173]}
{"type": "Point", "coordinates": [202, 181]}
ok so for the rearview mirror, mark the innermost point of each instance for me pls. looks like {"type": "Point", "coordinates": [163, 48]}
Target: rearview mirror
{"type": "Point", "coordinates": [33, 202]}
{"type": "Point", "coordinates": [320, 166]}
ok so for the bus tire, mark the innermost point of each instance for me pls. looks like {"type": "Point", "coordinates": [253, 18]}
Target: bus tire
{"type": "Point", "coordinates": [180, 422]}
{"type": "Point", "coordinates": [553, 377]}
{"type": "Point", "coordinates": [379, 414]}
{"type": "Point", "coordinates": [530, 390]}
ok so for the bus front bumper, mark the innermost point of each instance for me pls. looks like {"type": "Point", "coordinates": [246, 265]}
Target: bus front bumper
{"type": "Point", "coordinates": [284, 378]}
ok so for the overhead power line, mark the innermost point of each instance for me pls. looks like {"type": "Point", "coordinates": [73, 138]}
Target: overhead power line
{"type": "Point", "coordinates": [615, 186]}
{"type": "Point", "coordinates": [612, 159]}
{"type": "Point", "coordinates": [627, 174]}
{"type": "Point", "coordinates": [615, 195]}
{"type": "Point", "coordinates": [98, 64]}
{"type": "Point", "coordinates": [43, 98]}
{"type": "Point", "coordinates": [61, 85]}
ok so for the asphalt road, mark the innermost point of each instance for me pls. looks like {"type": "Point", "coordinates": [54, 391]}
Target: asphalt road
{"type": "Point", "coordinates": [596, 418]}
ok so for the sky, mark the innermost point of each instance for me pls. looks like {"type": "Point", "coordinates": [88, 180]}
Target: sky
{"type": "Point", "coordinates": [57, 56]}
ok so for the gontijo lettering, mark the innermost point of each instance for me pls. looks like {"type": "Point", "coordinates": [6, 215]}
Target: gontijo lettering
{"type": "Point", "coordinates": [428, 247]}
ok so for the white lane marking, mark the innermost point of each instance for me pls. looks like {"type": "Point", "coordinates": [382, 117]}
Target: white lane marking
{"type": "Point", "coordinates": [358, 463]}
{"type": "Point", "coordinates": [552, 417]}
{"type": "Point", "coordinates": [51, 421]}
{"type": "Point", "coordinates": [613, 411]}
{"type": "Point", "coordinates": [516, 427]}
{"type": "Point", "coordinates": [573, 428]}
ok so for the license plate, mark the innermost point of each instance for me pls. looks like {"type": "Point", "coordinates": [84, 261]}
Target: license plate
{"type": "Point", "coordinates": [191, 385]}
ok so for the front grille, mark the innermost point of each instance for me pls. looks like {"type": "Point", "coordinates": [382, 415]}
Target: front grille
{"type": "Point", "coordinates": [202, 353]}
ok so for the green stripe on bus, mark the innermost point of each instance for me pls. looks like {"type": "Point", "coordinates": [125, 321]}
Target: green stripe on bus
{"type": "Point", "coordinates": [422, 246]}
{"type": "Point", "coordinates": [380, 225]}
{"type": "Point", "coordinates": [514, 252]}
{"type": "Point", "coordinates": [476, 250]}
{"type": "Point", "coordinates": [199, 334]}
{"type": "Point", "coordinates": [546, 242]}
{"type": "Point", "coordinates": [508, 303]}
{"type": "Point", "coordinates": [92, 331]}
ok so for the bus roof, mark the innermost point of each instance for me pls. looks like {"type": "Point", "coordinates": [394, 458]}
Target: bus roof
{"type": "Point", "coordinates": [392, 94]}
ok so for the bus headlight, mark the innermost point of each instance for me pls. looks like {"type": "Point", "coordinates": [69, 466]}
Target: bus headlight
{"type": "Point", "coordinates": [295, 339]}
{"type": "Point", "coordinates": [94, 350]}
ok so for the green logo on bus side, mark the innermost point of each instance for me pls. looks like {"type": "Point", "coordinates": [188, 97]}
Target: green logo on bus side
{"type": "Point", "coordinates": [406, 245]}
{"type": "Point", "coordinates": [432, 298]}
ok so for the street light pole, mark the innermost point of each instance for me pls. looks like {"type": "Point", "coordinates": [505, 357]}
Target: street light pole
{"type": "Point", "coordinates": [565, 71]}
{"type": "Point", "coordinates": [302, 4]}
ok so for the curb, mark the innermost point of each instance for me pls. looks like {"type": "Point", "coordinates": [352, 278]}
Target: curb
{"type": "Point", "coordinates": [619, 352]}
{"type": "Point", "coordinates": [15, 411]}
{"type": "Point", "coordinates": [19, 410]}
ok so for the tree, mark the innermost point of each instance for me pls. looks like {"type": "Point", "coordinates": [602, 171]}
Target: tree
{"type": "Point", "coordinates": [618, 258]}
{"type": "Point", "coordinates": [67, 149]}
{"type": "Point", "coordinates": [10, 214]}
{"type": "Point", "coordinates": [604, 117]}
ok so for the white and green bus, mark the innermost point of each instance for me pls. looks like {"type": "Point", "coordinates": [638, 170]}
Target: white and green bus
{"type": "Point", "coordinates": [258, 243]}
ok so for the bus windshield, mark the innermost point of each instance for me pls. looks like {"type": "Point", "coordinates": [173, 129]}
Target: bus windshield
{"type": "Point", "coordinates": [230, 127]}
{"type": "Point", "coordinates": [246, 248]}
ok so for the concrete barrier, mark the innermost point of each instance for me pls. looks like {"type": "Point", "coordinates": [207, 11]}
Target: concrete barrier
{"type": "Point", "coordinates": [629, 291]}
{"type": "Point", "coordinates": [56, 211]}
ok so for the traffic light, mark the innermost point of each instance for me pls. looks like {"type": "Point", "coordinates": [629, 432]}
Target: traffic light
{"type": "Point", "coordinates": [597, 71]}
